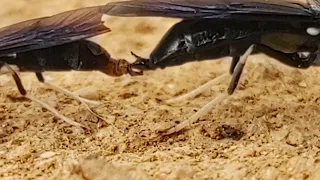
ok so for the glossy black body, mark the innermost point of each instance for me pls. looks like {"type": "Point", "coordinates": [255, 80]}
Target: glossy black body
{"type": "Point", "coordinates": [212, 29]}
{"type": "Point", "coordinates": [59, 43]}
{"type": "Point", "coordinates": [80, 55]}
{"type": "Point", "coordinates": [197, 40]}
{"type": "Point", "coordinates": [56, 43]}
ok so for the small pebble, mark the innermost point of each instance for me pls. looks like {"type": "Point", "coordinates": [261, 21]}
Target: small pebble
{"type": "Point", "coordinates": [88, 93]}
{"type": "Point", "coordinates": [302, 84]}
{"type": "Point", "coordinates": [47, 155]}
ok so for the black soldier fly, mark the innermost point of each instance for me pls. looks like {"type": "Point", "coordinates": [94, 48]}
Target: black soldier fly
{"type": "Point", "coordinates": [59, 43]}
{"type": "Point", "coordinates": [287, 31]}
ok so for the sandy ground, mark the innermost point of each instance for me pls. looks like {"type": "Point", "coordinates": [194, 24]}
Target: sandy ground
{"type": "Point", "coordinates": [269, 129]}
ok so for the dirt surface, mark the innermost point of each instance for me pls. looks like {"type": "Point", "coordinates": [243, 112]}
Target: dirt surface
{"type": "Point", "coordinates": [268, 129]}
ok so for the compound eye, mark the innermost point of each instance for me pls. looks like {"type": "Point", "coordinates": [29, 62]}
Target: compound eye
{"type": "Point", "coordinates": [313, 31]}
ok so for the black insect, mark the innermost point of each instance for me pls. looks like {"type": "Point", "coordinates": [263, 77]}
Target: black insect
{"type": "Point", "coordinates": [211, 29]}
{"type": "Point", "coordinates": [288, 31]}
{"type": "Point", "coordinates": [59, 43]}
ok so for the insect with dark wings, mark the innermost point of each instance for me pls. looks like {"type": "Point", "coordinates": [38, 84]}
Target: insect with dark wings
{"type": "Point", "coordinates": [288, 31]}
{"type": "Point", "coordinates": [59, 43]}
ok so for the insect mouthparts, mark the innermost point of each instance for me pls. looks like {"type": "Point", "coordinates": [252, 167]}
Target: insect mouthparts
{"type": "Point", "coordinates": [141, 63]}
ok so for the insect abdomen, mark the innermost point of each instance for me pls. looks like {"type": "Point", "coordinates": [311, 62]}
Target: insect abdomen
{"type": "Point", "coordinates": [56, 58]}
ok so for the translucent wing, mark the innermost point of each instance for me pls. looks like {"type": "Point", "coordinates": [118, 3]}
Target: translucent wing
{"type": "Point", "coordinates": [53, 30]}
{"type": "Point", "coordinates": [212, 8]}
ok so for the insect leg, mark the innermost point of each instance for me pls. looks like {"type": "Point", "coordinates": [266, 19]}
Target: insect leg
{"type": "Point", "coordinates": [233, 64]}
{"type": "Point", "coordinates": [199, 90]}
{"type": "Point", "coordinates": [204, 110]}
{"type": "Point", "coordinates": [290, 59]}
{"type": "Point", "coordinates": [238, 70]}
{"type": "Point", "coordinates": [16, 78]}
{"type": "Point", "coordinates": [207, 85]}
{"type": "Point", "coordinates": [219, 99]}
{"type": "Point", "coordinates": [69, 93]}
{"type": "Point", "coordinates": [34, 99]}
{"type": "Point", "coordinates": [65, 91]}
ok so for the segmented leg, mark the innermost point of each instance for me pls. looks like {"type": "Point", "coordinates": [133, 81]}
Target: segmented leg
{"type": "Point", "coordinates": [71, 94]}
{"type": "Point", "coordinates": [64, 91]}
{"type": "Point", "coordinates": [289, 59]}
{"type": "Point", "coordinates": [238, 70]}
{"type": "Point", "coordinates": [286, 58]}
{"type": "Point", "coordinates": [233, 64]}
{"type": "Point", "coordinates": [199, 90]}
{"type": "Point", "coordinates": [220, 98]}
{"type": "Point", "coordinates": [194, 118]}
{"type": "Point", "coordinates": [34, 99]}
{"type": "Point", "coordinates": [207, 85]}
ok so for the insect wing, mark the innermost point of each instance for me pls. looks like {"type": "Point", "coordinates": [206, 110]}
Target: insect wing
{"type": "Point", "coordinates": [211, 8]}
{"type": "Point", "coordinates": [50, 31]}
